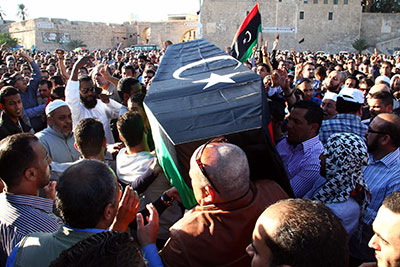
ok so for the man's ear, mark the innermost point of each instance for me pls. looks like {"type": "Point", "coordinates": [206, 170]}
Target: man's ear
{"type": "Point", "coordinates": [49, 121]}
{"type": "Point", "coordinates": [109, 212]}
{"type": "Point", "coordinates": [30, 174]}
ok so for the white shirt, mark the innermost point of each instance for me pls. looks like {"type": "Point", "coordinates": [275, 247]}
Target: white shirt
{"type": "Point", "coordinates": [102, 111]}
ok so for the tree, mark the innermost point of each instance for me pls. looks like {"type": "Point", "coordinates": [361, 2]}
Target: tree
{"type": "Point", "coordinates": [2, 14]}
{"type": "Point", "coordinates": [11, 42]}
{"type": "Point", "coordinates": [22, 11]}
{"type": "Point", "coordinates": [382, 6]}
{"type": "Point", "coordinates": [75, 44]}
{"type": "Point", "coordinates": [360, 45]}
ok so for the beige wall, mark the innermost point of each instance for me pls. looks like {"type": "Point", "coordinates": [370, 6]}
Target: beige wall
{"type": "Point", "coordinates": [221, 19]}
{"type": "Point", "coordinates": [50, 34]}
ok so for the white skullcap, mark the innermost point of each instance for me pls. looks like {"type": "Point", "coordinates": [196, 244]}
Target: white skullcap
{"type": "Point", "coordinates": [54, 105]}
{"type": "Point", "coordinates": [352, 95]}
{"type": "Point", "coordinates": [383, 79]}
{"type": "Point", "coordinates": [330, 96]}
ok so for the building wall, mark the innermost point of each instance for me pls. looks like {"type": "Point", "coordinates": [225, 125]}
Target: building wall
{"type": "Point", "coordinates": [381, 31]}
{"type": "Point", "coordinates": [50, 34]}
{"type": "Point", "coordinates": [222, 18]}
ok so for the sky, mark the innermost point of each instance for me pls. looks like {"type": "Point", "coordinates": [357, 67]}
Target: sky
{"type": "Point", "coordinates": [108, 11]}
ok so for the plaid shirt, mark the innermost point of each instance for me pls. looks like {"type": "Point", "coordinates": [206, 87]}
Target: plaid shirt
{"type": "Point", "coordinates": [21, 215]}
{"type": "Point", "coordinates": [342, 123]}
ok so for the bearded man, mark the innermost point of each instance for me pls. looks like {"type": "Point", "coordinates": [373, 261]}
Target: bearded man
{"type": "Point", "coordinates": [81, 97]}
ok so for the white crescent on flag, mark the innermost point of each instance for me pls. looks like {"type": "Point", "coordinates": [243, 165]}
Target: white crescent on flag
{"type": "Point", "coordinates": [214, 78]}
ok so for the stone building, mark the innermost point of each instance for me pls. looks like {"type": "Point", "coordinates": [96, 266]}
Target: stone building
{"type": "Point", "coordinates": [50, 34]}
{"type": "Point", "coordinates": [325, 25]}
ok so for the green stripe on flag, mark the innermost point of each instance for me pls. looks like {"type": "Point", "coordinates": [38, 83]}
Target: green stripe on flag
{"type": "Point", "coordinates": [168, 164]}
{"type": "Point", "coordinates": [171, 171]}
{"type": "Point", "coordinates": [249, 51]}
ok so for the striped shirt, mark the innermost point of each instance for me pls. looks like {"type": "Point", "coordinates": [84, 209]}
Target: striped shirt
{"type": "Point", "coordinates": [342, 123]}
{"type": "Point", "coordinates": [21, 215]}
{"type": "Point", "coordinates": [383, 178]}
{"type": "Point", "coordinates": [302, 163]}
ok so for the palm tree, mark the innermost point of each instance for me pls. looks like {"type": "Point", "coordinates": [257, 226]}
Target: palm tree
{"type": "Point", "coordinates": [22, 11]}
{"type": "Point", "coordinates": [1, 16]}
{"type": "Point", "coordinates": [360, 45]}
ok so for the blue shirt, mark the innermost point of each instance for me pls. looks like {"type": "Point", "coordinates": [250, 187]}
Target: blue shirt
{"type": "Point", "coordinates": [150, 252]}
{"type": "Point", "coordinates": [342, 123]}
{"type": "Point", "coordinates": [302, 163]}
{"type": "Point", "coordinates": [383, 178]}
{"type": "Point", "coordinates": [22, 215]}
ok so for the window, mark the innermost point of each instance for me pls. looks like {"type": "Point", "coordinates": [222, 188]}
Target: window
{"type": "Point", "coordinates": [330, 16]}
{"type": "Point", "coordinates": [335, 2]}
{"type": "Point", "coordinates": [280, 0]}
{"type": "Point", "coordinates": [346, 2]}
{"type": "Point", "coordinates": [301, 14]}
{"type": "Point", "coordinates": [325, 1]}
{"type": "Point", "coordinates": [315, 1]}
{"type": "Point", "coordinates": [305, 1]}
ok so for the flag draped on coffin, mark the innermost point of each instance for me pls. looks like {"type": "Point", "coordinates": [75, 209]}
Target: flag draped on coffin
{"type": "Point", "coordinates": [200, 92]}
{"type": "Point", "coordinates": [247, 35]}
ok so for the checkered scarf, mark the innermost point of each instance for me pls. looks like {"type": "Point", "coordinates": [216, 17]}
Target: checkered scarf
{"type": "Point", "coordinates": [346, 155]}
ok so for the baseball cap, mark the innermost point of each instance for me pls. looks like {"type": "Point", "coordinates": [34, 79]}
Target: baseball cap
{"type": "Point", "coordinates": [352, 95]}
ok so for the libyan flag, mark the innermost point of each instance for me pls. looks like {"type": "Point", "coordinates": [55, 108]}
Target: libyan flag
{"type": "Point", "coordinates": [199, 92]}
{"type": "Point", "coordinates": [247, 35]}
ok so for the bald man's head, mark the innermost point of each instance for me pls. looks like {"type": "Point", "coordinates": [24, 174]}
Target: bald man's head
{"type": "Point", "coordinates": [226, 166]}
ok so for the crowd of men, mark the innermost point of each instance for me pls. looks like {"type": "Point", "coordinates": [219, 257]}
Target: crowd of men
{"type": "Point", "coordinates": [81, 184]}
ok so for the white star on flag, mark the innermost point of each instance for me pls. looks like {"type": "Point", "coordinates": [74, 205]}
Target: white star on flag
{"type": "Point", "coordinates": [216, 78]}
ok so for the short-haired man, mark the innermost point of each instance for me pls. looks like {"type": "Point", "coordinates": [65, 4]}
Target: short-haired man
{"type": "Point", "coordinates": [382, 176]}
{"type": "Point", "coordinates": [348, 120]}
{"type": "Point", "coordinates": [217, 230]}
{"type": "Point", "coordinates": [263, 70]}
{"type": "Point", "coordinates": [334, 81]}
{"type": "Point", "coordinates": [380, 102]}
{"type": "Point", "coordinates": [10, 119]}
{"type": "Point", "coordinates": [301, 149]}
{"type": "Point", "coordinates": [128, 71]}
{"type": "Point", "coordinates": [386, 226]}
{"type": "Point", "coordinates": [329, 105]}
{"type": "Point", "coordinates": [298, 232]}
{"type": "Point", "coordinates": [386, 69]}
{"type": "Point", "coordinates": [148, 74]}
{"type": "Point", "coordinates": [89, 201]}
{"type": "Point", "coordinates": [81, 98]}
{"type": "Point", "coordinates": [58, 137]}
{"type": "Point", "coordinates": [24, 168]}
{"type": "Point", "coordinates": [136, 167]}
{"type": "Point", "coordinates": [126, 88]}
{"type": "Point", "coordinates": [44, 91]}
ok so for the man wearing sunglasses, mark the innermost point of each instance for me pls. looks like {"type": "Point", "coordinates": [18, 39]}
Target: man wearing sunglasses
{"type": "Point", "coordinates": [81, 97]}
{"type": "Point", "coordinates": [217, 231]}
{"type": "Point", "coordinates": [382, 176]}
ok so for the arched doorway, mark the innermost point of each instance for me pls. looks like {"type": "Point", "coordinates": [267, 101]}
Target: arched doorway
{"type": "Point", "coordinates": [189, 35]}
{"type": "Point", "coordinates": [145, 35]}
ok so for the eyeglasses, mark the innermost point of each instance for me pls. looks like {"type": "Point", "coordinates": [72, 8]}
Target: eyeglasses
{"type": "Point", "coordinates": [376, 132]}
{"type": "Point", "coordinates": [86, 90]}
{"type": "Point", "coordinates": [200, 153]}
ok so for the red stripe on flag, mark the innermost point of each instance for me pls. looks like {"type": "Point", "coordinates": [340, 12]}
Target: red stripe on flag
{"type": "Point", "coordinates": [271, 132]}
{"type": "Point", "coordinates": [249, 17]}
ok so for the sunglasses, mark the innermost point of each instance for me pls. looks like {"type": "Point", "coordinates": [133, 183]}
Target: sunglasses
{"type": "Point", "coordinates": [376, 132]}
{"type": "Point", "coordinates": [86, 90]}
{"type": "Point", "coordinates": [201, 165]}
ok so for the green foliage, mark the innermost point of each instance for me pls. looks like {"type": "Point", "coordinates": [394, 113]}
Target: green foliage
{"type": "Point", "coordinates": [75, 44]}
{"type": "Point", "coordinates": [11, 42]}
{"type": "Point", "coordinates": [360, 45]}
{"type": "Point", "coordinates": [381, 6]}
{"type": "Point", "coordinates": [22, 11]}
